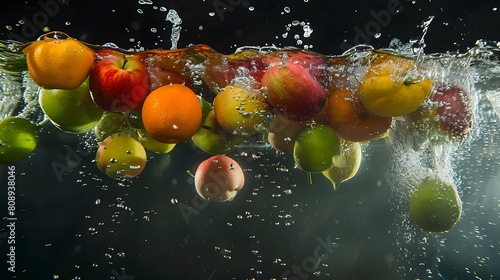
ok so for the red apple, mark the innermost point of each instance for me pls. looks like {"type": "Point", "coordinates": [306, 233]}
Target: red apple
{"type": "Point", "coordinates": [293, 91]}
{"type": "Point", "coordinates": [313, 63]}
{"type": "Point", "coordinates": [221, 70]}
{"type": "Point", "coordinates": [165, 68]}
{"type": "Point", "coordinates": [454, 110]}
{"type": "Point", "coordinates": [219, 178]}
{"type": "Point", "coordinates": [350, 119]}
{"type": "Point", "coordinates": [448, 112]}
{"type": "Point", "coordinates": [119, 82]}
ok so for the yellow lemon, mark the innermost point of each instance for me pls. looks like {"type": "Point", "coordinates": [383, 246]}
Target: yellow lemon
{"type": "Point", "coordinates": [58, 61]}
{"type": "Point", "coordinates": [393, 86]}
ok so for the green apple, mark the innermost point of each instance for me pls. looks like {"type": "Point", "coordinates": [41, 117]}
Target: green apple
{"type": "Point", "coordinates": [315, 147]}
{"type": "Point", "coordinates": [435, 206]}
{"type": "Point", "coordinates": [72, 110]}
{"type": "Point", "coordinates": [18, 138]}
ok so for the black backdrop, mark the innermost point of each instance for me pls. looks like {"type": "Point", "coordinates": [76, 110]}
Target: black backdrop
{"type": "Point", "coordinates": [89, 227]}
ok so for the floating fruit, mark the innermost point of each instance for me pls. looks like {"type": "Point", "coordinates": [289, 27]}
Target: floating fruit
{"type": "Point", "coordinates": [18, 138]}
{"type": "Point", "coordinates": [346, 164]}
{"type": "Point", "coordinates": [212, 139]}
{"type": "Point", "coordinates": [448, 113]}
{"type": "Point", "coordinates": [58, 61]}
{"type": "Point", "coordinates": [314, 148]}
{"type": "Point", "coordinates": [172, 114]}
{"type": "Point", "coordinates": [219, 178]}
{"type": "Point", "coordinates": [283, 132]}
{"type": "Point", "coordinates": [152, 145]}
{"type": "Point", "coordinates": [393, 86]}
{"type": "Point", "coordinates": [292, 91]}
{"type": "Point", "coordinates": [435, 206]}
{"type": "Point", "coordinates": [240, 111]}
{"type": "Point", "coordinates": [350, 119]}
{"type": "Point", "coordinates": [119, 82]}
{"type": "Point", "coordinates": [110, 123]}
{"type": "Point", "coordinates": [70, 110]}
{"type": "Point", "coordinates": [121, 156]}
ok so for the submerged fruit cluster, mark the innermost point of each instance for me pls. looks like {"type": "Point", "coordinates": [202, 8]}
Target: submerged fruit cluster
{"type": "Point", "coordinates": [315, 107]}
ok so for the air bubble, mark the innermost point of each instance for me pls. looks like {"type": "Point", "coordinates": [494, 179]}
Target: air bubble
{"type": "Point", "coordinates": [211, 14]}
{"type": "Point", "coordinates": [251, 8]}
{"type": "Point", "coordinates": [377, 35]}
{"type": "Point", "coordinates": [287, 10]}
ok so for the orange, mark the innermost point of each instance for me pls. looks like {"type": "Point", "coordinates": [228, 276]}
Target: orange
{"type": "Point", "coordinates": [58, 61]}
{"type": "Point", "coordinates": [171, 113]}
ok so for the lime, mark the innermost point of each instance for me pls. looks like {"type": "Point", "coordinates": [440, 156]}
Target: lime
{"type": "Point", "coordinates": [70, 110]}
{"type": "Point", "coordinates": [435, 206]}
{"type": "Point", "coordinates": [18, 138]}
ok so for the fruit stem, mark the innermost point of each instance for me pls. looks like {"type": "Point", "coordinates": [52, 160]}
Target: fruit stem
{"type": "Point", "coordinates": [190, 173]}
{"type": "Point", "coordinates": [309, 178]}
{"type": "Point", "coordinates": [43, 123]}
{"type": "Point", "coordinates": [125, 62]}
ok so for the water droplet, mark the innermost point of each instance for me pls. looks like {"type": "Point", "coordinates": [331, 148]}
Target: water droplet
{"type": "Point", "coordinates": [287, 10]}
{"type": "Point", "coordinates": [97, 201]}
{"type": "Point", "coordinates": [145, 2]}
{"type": "Point", "coordinates": [113, 160]}
{"type": "Point", "coordinates": [8, 27]}
{"type": "Point", "coordinates": [163, 9]}
{"type": "Point", "coordinates": [68, 23]}
{"type": "Point", "coordinates": [295, 22]}
{"type": "Point", "coordinates": [211, 14]}
{"type": "Point", "coordinates": [251, 8]}
{"type": "Point", "coordinates": [154, 30]}
{"type": "Point", "coordinates": [140, 11]}
{"type": "Point", "coordinates": [377, 35]}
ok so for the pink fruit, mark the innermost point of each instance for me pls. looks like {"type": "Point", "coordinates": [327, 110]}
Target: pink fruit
{"type": "Point", "coordinates": [218, 178]}
{"type": "Point", "coordinates": [454, 110]}
{"type": "Point", "coordinates": [282, 133]}
{"type": "Point", "coordinates": [293, 91]}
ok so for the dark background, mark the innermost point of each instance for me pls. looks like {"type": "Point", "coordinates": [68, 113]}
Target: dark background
{"type": "Point", "coordinates": [86, 226]}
